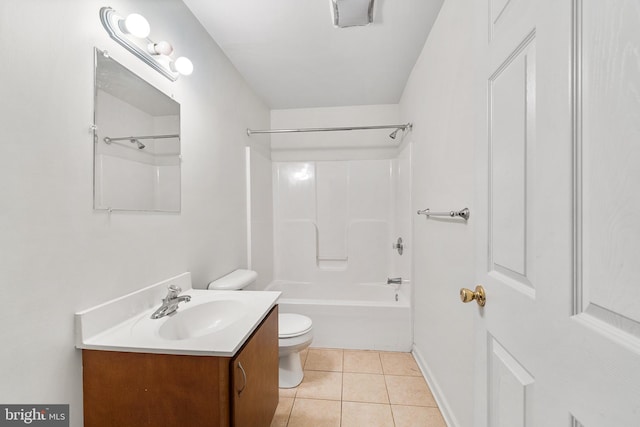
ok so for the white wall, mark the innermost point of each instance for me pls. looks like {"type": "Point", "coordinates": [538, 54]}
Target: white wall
{"type": "Point", "coordinates": [58, 256]}
{"type": "Point", "coordinates": [438, 100]}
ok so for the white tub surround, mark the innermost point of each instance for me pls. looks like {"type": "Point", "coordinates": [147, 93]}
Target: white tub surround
{"type": "Point", "coordinates": [334, 220]}
{"type": "Point", "coordinates": [125, 324]}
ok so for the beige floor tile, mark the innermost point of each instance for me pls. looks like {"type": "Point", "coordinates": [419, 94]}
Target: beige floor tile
{"type": "Point", "coordinates": [412, 416]}
{"type": "Point", "coordinates": [287, 392]}
{"type": "Point", "coordinates": [362, 361]}
{"type": "Point", "coordinates": [315, 413]}
{"type": "Point", "coordinates": [405, 390]}
{"type": "Point", "coordinates": [366, 415]}
{"type": "Point", "coordinates": [321, 385]}
{"type": "Point", "coordinates": [324, 360]}
{"type": "Point", "coordinates": [369, 388]}
{"type": "Point", "coordinates": [281, 417]}
{"type": "Point", "coordinates": [399, 364]}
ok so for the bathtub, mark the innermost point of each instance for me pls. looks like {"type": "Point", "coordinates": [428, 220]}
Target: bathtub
{"type": "Point", "coordinates": [352, 316]}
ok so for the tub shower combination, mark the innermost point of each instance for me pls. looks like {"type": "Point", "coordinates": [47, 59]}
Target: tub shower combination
{"type": "Point", "coordinates": [336, 225]}
{"type": "Point", "coordinates": [336, 231]}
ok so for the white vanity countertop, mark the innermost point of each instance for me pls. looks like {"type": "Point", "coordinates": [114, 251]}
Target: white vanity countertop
{"type": "Point", "coordinates": [113, 327]}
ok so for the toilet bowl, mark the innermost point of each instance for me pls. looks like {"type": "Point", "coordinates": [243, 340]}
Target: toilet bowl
{"type": "Point", "coordinates": [294, 330]}
{"type": "Point", "coordinates": [294, 335]}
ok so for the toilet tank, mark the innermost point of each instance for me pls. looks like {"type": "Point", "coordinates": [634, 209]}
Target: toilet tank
{"type": "Point", "coordinates": [234, 281]}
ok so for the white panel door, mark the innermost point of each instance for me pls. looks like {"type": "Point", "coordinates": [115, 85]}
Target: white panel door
{"type": "Point", "coordinates": [558, 252]}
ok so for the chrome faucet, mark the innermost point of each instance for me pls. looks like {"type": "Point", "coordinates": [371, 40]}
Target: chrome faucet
{"type": "Point", "coordinates": [394, 281]}
{"type": "Point", "coordinates": [170, 302]}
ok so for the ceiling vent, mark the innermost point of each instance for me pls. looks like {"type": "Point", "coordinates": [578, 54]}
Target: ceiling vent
{"type": "Point", "coordinates": [352, 13]}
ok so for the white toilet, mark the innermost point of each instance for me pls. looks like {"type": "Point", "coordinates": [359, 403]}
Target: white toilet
{"type": "Point", "coordinates": [294, 330]}
{"type": "Point", "coordinates": [294, 335]}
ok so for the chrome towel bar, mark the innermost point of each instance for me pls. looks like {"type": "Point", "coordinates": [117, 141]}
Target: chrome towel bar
{"type": "Point", "coordinates": [463, 213]}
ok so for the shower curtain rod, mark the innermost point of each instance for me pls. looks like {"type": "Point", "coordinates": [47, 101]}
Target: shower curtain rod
{"type": "Point", "coordinates": [128, 138]}
{"type": "Point", "coordinates": [403, 127]}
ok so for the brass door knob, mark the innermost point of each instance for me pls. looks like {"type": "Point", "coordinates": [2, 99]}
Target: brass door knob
{"type": "Point", "coordinates": [467, 295]}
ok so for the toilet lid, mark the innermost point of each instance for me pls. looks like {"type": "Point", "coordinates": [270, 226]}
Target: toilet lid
{"type": "Point", "coordinates": [292, 325]}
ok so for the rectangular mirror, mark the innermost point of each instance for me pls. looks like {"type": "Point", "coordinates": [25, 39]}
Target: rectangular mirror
{"type": "Point", "coordinates": [136, 142]}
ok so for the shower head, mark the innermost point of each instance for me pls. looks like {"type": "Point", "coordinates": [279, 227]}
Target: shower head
{"type": "Point", "coordinates": [393, 134]}
{"type": "Point", "coordinates": [135, 141]}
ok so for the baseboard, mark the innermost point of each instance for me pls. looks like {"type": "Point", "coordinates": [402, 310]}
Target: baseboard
{"type": "Point", "coordinates": [441, 400]}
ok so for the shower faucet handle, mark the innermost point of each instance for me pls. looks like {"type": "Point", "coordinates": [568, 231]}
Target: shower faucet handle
{"type": "Point", "coordinates": [394, 281]}
{"type": "Point", "coordinates": [398, 245]}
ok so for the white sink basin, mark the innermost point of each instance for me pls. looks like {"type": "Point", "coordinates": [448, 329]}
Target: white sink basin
{"type": "Point", "coordinates": [202, 319]}
{"type": "Point", "coordinates": [213, 323]}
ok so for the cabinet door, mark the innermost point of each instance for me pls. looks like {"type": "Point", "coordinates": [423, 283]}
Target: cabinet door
{"type": "Point", "coordinates": [141, 389]}
{"type": "Point", "coordinates": [254, 373]}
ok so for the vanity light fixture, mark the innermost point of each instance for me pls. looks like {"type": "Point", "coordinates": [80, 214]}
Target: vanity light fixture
{"type": "Point", "coordinates": [132, 32]}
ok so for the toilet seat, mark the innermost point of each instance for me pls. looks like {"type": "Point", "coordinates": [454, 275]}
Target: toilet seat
{"type": "Point", "coordinates": [292, 325]}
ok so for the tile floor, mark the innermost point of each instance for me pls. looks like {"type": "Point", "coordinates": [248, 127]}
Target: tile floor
{"type": "Point", "coordinates": [349, 388]}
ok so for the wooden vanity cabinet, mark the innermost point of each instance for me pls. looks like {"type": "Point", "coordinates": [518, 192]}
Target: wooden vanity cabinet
{"type": "Point", "coordinates": [143, 389]}
{"type": "Point", "coordinates": [254, 377]}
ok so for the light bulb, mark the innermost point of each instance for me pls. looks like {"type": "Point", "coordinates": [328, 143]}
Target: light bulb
{"type": "Point", "coordinates": [183, 66]}
{"type": "Point", "coordinates": [160, 48]}
{"type": "Point", "coordinates": [135, 25]}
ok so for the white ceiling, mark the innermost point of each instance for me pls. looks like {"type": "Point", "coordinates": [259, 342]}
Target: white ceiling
{"type": "Point", "coordinates": [293, 57]}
